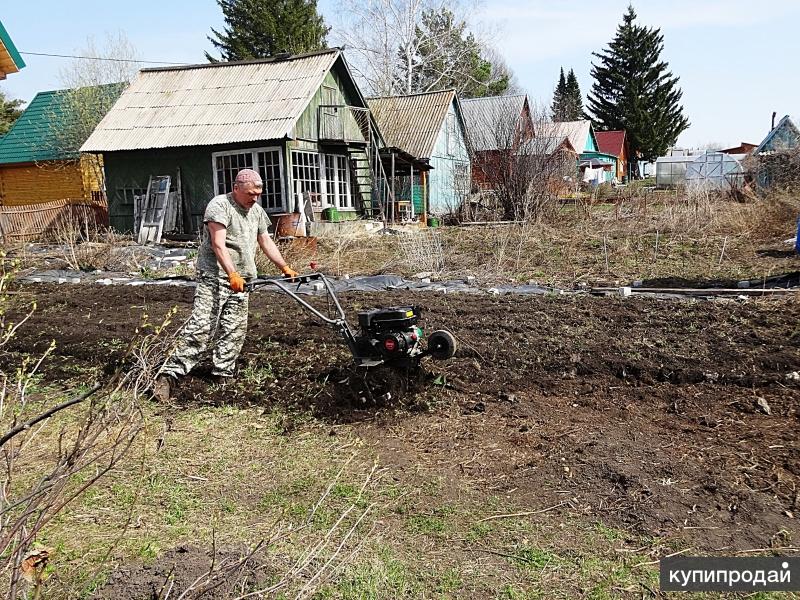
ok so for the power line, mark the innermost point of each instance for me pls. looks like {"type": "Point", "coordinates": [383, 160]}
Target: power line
{"type": "Point", "coordinates": [129, 60]}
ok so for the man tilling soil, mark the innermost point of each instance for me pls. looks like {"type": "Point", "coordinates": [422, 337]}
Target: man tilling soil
{"type": "Point", "coordinates": [234, 225]}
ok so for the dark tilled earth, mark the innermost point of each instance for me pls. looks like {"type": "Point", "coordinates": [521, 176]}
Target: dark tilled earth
{"type": "Point", "coordinates": [673, 419]}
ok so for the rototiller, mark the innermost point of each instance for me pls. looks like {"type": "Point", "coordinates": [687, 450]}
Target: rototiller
{"type": "Point", "coordinates": [388, 336]}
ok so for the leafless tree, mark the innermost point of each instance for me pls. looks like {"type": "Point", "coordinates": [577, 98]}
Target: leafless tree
{"type": "Point", "coordinates": [89, 434]}
{"type": "Point", "coordinates": [776, 171]}
{"type": "Point", "coordinates": [92, 85]}
{"type": "Point", "coordinates": [513, 169]}
{"type": "Point", "coordinates": [384, 41]}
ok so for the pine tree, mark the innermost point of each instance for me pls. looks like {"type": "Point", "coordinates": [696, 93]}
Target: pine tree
{"type": "Point", "coordinates": [262, 28]}
{"type": "Point", "coordinates": [573, 98]}
{"type": "Point", "coordinates": [9, 112]}
{"type": "Point", "coordinates": [634, 90]}
{"type": "Point", "coordinates": [446, 56]}
{"type": "Point", "coordinates": [559, 106]}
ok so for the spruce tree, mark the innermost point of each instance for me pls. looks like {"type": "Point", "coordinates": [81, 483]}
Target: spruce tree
{"type": "Point", "coordinates": [634, 90]}
{"type": "Point", "coordinates": [448, 56]}
{"type": "Point", "coordinates": [9, 112]}
{"type": "Point", "coordinates": [262, 28]}
{"type": "Point", "coordinates": [573, 99]}
{"type": "Point", "coordinates": [559, 106]}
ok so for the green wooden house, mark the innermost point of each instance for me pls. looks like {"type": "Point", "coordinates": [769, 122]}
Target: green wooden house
{"type": "Point", "coordinates": [300, 121]}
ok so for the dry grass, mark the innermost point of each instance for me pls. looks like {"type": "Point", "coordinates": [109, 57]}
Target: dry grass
{"type": "Point", "coordinates": [655, 236]}
{"type": "Point", "coordinates": [671, 237]}
{"type": "Point", "coordinates": [636, 237]}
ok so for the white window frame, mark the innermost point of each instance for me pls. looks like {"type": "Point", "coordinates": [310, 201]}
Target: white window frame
{"type": "Point", "coordinates": [334, 199]}
{"type": "Point", "coordinates": [254, 152]}
{"type": "Point", "coordinates": [329, 190]}
{"type": "Point", "coordinates": [450, 129]}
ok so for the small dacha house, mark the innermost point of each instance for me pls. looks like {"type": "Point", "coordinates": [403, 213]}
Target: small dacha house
{"type": "Point", "coordinates": [427, 131]}
{"type": "Point", "coordinates": [300, 121]}
{"type": "Point", "coordinates": [497, 125]}
{"type": "Point", "coordinates": [39, 158]}
{"type": "Point", "coordinates": [614, 143]}
{"type": "Point", "coordinates": [776, 161]}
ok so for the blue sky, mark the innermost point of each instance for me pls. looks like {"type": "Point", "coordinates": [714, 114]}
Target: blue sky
{"type": "Point", "coordinates": [737, 59]}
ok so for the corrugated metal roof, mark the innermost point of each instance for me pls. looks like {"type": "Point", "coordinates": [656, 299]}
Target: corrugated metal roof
{"type": "Point", "coordinates": [610, 142]}
{"type": "Point", "coordinates": [217, 103]}
{"type": "Point", "coordinates": [576, 131]}
{"type": "Point", "coordinates": [39, 133]}
{"type": "Point", "coordinates": [541, 145]}
{"type": "Point", "coordinates": [412, 123]}
{"type": "Point", "coordinates": [492, 121]}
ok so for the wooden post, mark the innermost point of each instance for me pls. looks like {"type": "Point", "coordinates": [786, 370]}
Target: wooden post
{"type": "Point", "coordinates": [424, 180]}
{"type": "Point", "coordinates": [394, 192]}
{"type": "Point", "coordinates": [722, 254]}
{"type": "Point", "coordinates": [655, 254]}
{"type": "Point", "coordinates": [411, 166]}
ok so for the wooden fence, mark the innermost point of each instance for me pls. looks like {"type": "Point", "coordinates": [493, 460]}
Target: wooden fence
{"type": "Point", "coordinates": [47, 219]}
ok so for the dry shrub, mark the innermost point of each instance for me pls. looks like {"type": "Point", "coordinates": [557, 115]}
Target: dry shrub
{"type": "Point", "coordinates": [54, 450]}
{"type": "Point", "coordinates": [86, 245]}
{"type": "Point", "coordinates": [768, 218]}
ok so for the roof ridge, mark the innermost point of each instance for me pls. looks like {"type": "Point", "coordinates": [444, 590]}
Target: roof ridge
{"type": "Point", "coordinates": [83, 87]}
{"type": "Point", "coordinates": [254, 61]}
{"type": "Point", "coordinates": [446, 91]}
{"type": "Point", "coordinates": [493, 97]}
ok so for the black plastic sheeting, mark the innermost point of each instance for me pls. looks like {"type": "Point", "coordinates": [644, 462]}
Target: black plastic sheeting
{"type": "Point", "coordinates": [374, 283]}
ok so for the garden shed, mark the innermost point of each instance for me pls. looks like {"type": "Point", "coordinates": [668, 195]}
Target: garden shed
{"type": "Point", "coordinates": [39, 158]}
{"type": "Point", "coordinates": [497, 125]}
{"type": "Point", "coordinates": [428, 127]}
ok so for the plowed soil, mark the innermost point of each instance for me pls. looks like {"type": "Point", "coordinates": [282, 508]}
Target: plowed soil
{"type": "Point", "coordinates": [674, 419]}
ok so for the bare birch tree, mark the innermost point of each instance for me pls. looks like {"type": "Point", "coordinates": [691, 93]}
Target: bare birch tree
{"type": "Point", "coordinates": [92, 85]}
{"type": "Point", "coordinates": [410, 46]}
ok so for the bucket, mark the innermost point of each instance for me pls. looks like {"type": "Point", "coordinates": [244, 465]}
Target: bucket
{"type": "Point", "coordinates": [331, 214]}
{"type": "Point", "coordinates": [290, 225]}
{"type": "Point", "coordinates": [433, 222]}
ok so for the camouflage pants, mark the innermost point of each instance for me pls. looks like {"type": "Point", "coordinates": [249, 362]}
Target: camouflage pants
{"type": "Point", "coordinates": [219, 317]}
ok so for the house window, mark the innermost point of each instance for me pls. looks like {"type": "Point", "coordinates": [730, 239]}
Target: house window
{"type": "Point", "coordinates": [267, 161]}
{"type": "Point", "coordinates": [325, 177]}
{"type": "Point", "coordinates": [337, 181]}
{"type": "Point", "coordinates": [269, 167]}
{"type": "Point", "coordinates": [450, 131]}
{"type": "Point", "coordinates": [305, 176]}
{"type": "Point", "coordinates": [461, 182]}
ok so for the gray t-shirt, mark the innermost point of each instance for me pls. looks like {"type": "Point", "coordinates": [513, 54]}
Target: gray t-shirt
{"type": "Point", "coordinates": [242, 229]}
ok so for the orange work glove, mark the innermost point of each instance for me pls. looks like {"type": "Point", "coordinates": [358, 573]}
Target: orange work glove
{"type": "Point", "coordinates": [236, 282]}
{"type": "Point", "coordinates": [289, 272]}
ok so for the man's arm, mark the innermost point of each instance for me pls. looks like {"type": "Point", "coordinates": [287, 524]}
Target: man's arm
{"type": "Point", "coordinates": [271, 251]}
{"type": "Point", "coordinates": [217, 232]}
